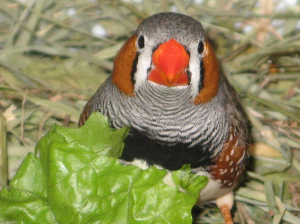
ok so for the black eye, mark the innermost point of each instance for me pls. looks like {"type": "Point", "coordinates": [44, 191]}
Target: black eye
{"type": "Point", "coordinates": [141, 42]}
{"type": "Point", "coordinates": [200, 47]}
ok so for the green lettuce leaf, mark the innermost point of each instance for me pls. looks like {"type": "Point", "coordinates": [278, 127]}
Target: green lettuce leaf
{"type": "Point", "coordinates": [75, 176]}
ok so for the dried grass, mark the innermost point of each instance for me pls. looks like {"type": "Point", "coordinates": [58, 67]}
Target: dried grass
{"type": "Point", "coordinates": [51, 63]}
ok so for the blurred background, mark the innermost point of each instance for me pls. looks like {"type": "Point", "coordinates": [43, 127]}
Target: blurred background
{"type": "Point", "coordinates": [55, 54]}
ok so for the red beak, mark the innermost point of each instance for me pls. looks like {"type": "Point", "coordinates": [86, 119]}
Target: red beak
{"type": "Point", "coordinates": [170, 61]}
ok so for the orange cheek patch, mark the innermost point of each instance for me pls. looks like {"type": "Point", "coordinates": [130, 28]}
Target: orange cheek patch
{"type": "Point", "coordinates": [211, 76]}
{"type": "Point", "coordinates": [123, 64]}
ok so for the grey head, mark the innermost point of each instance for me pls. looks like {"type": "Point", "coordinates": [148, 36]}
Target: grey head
{"type": "Point", "coordinates": [164, 26]}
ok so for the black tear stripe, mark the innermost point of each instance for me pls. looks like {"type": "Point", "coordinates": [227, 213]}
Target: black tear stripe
{"type": "Point", "coordinates": [200, 84]}
{"type": "Point", "coordinates": [187, 51]}
{"type": "Point", "coordinates": [171, 157]}
{"type": "Point", "coordinates": [134, 67]}
{"type": "Point", "coordinates": [189, 74]}
{"type": "Point", "coordinates": [155, 48]}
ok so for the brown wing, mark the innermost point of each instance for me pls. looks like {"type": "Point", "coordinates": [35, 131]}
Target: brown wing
{"type": "Point", "coordinates": [230, 164]}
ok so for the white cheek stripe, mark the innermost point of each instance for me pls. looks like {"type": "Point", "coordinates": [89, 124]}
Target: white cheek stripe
{"type": "Point", "coordinates": [194, 67]}
{"type": "Point", "coordinates": [144, 62]}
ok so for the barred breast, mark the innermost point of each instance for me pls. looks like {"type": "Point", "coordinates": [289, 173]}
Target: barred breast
{"type": "Point", "coordinates": [167, 129]}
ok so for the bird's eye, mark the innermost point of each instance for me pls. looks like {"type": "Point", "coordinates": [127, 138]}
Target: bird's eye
{"type": "Point", "coordinates": [141, 42]}
{"type": "Point", "coordinates": [200, 47]}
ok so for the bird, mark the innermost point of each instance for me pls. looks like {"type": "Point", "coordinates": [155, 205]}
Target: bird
{"type": "Point", "coordinates": [167, 86]}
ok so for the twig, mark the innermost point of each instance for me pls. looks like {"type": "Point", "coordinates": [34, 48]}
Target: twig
{"type": "Point", "coordinates": [3, 152]}
{"type": "Point", "coordinates": [23, 115]}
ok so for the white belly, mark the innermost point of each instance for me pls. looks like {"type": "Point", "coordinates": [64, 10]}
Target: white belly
{"type": "Point", "coordinates": [212, 190]}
